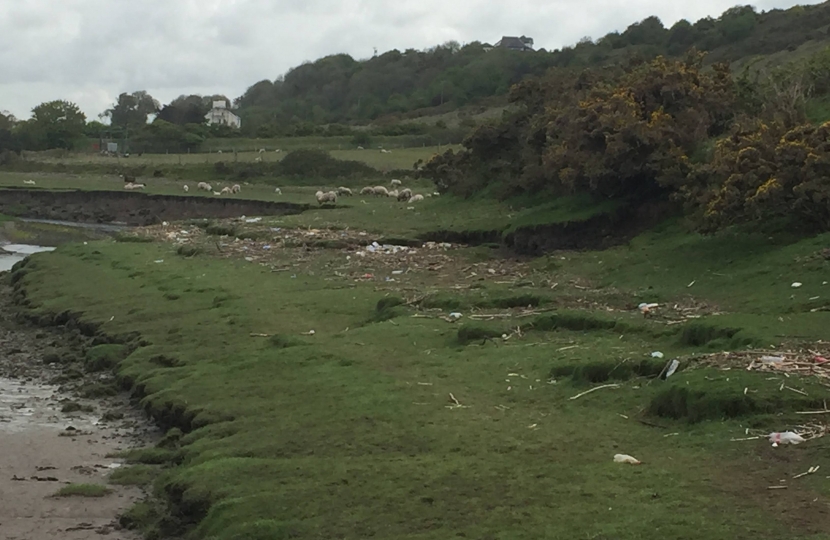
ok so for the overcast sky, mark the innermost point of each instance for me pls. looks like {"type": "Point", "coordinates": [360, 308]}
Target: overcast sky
{"type": "Point", "coordinates": [89, 51]}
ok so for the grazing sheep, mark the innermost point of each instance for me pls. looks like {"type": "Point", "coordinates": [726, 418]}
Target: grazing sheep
{"type": "Point", "coordinates": [29, 182]}
{"type": "Point", "coordinates": [205, 186]}
{"type": "Point", "coordinates": [416, 198]}
{"type": "Point", "coordinates": [217, 192]}
{"type": "Point", "coordinates": [436, 194]}
{"type": "Point", "coordinates": [367, 191]}
{"type": "Point", "coordinates": [384, 151]}
{"type": "Point", "coordinates": [132, 186]}
{"type": "Point", "coordinates": [236, 188]}
{"type": "Point", "coordinates": [344, 191]}
{"type": "Point", "coordinates": [394, 193]}
{"type": "Point", "coordinates": [278, 191]}
{"type": "Point", "coordinates": [258, 160]}
{"type": "Point", "coordinates": [277, 151]}
{"type": "Point", "coordinates": [395, 182]}
{"type": "Point", "coordinates": [405, 194]}
{"type": "Point", "coordinates": [381, 191]}
{"type": "Point", "coordinates": [218, 151]}
{"type": "Point", "coordinates": [226, 190]}
{"type": "Point", "coordinates": [262, 150]}
{"type": "Point", "coordinates": [185, 188]}
{"type": "Point", "coordinates": [360, 148]}
{"type": "Point", "coordinates": [329, 196]}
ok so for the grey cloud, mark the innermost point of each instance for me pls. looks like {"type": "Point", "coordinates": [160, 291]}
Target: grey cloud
{"type": "Point", "coordinates": [89, 51]}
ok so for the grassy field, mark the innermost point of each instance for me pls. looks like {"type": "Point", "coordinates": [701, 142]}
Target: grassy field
{"type": "Point", "coordinates": [390, 420]}
{"type": "Point", "coordinates": [399, 158]}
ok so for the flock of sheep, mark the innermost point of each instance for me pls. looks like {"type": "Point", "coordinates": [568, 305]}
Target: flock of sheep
{"type": "Point", "coordinates": [398, 192]}
{"type": "Point", "coordinates": [204, 186]}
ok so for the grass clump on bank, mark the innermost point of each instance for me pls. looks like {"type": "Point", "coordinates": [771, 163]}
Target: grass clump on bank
{"type": "Point", "coordinates": [83, 490]}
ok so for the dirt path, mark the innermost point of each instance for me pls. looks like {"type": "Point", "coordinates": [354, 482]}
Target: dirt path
{"type": "Point", "coordinates": [43, 449]}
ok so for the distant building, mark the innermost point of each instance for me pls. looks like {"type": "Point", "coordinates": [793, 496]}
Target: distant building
{"type": "Point", "coordinates": [523, 43]}
{"type": "Point", "coordinates": [220, 114]}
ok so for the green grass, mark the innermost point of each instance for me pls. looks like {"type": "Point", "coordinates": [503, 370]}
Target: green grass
{"type": "Point", "coordinates": [134, 475]}
{"type": "Point", "coordinates": [83, 490]}
{"type": "Point", "coordinates": [350, 432]}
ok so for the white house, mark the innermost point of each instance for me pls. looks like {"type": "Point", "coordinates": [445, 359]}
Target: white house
{"type": "Point", "coordinates": [220, 114]}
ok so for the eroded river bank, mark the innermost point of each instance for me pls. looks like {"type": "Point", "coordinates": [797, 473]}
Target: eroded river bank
{"type": "Point", "coordinates": [51, 437]}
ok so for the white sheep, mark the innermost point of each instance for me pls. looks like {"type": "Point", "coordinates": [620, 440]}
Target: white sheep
{"type": "Point", "coordinates": [436, 194]}
{"type": "Point", "coordinates": [236, 189]}
{"type": "Point", "coordinates": [405, 194]}
{"type": "Point", "coordinates": [131, 186]}
{"type": "Point", "coordinates": [29, 182]}
{"type": "Point", "coordinates": [225, 190]}
{"type": "Point", "coordinates": [367, 191]}
{"type": "Point", "coordinates": [416, 198]}
{"type": "Point", "coordinates": [329, 196]}
{"type": "Point", "coordinates": [258, 160]}
{"type": "Point", "coordinates": [384, 151]}
{"type": "Point", "coordinates": [218, 151]}
{"type": "Point", "coordinates": [381, 191]}
{"type": "Point", "coordinates": [395, 182]}
{"type": "Point", "coordinates": [205, 186]}
{"type": "Point", "coordinates": [277, 151]}
{"type": "Point", "coordinates": [394, 193]}
{"type": "Point", "coordinates": [262, 150]}
{"type": "Point", "coordinates": [344, 191]}
{"type": "Point", "coordinates": [360, 148]}
{"type": "Point", "coordinates": [217, 192]}
{"type": "Point", "coordinates": [278, 191]}
{"type": "Point", "coordinates": [185, 188]}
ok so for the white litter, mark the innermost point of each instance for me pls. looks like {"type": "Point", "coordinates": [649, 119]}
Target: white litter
{"type": "Point", "coordinates": [796, 285]}
{"type": "Point", "coordinates": [657, 354]}
{"type": "Point", "coordinates": [786, 437]}
{"type": "Point", "coordinates": [672, 368]}
{"type": "Point", "coordinates": [625, 458]}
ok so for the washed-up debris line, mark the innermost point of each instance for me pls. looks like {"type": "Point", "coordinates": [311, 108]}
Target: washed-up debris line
{"type": "Point", "coordinates": [808, 360]}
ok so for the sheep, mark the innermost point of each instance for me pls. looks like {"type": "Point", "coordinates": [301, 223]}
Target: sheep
{"type": "Point", "coordinates": [416, 198]}
{"type": "Point", "coordinates": [262, 150]}
{"type": "Point", "coordinates": [381, 191]}
{"type": "Point", "coordinates": [278, 191]}
{"type": "Point", "coordinates": [258, 160]}
{"type": "Point", "coordinates": [360, 148]}
{"type": "Point", "coordinates": [436, 194]}
{"type": "Point", "coordinates": [204, 186]}
{"type": "Point", "coordinates": [218, 151]}
{"type": "Point", "coordinates": [395, 182]}
{"type": "Point", "coordinates": [236, 188]}
{"type": "Point", "coordinates": [217, 192]}
{"type": "Point", "coordinates": [226, 189]}
{"type": "Point", "coordinates": [185, 188]}
{"type": "Point", "coordinates": [277, 151]}
{"type": "Point", "coordinates": [344, 191]}
{"type": "Point", "coordinates": [405, 194]}
{"type": "Point", "coordinates": [132, 186]}
{"type": "Point", "coordinates": [394, 193]}
{"type": "Point", "coordinates": [29, 182]}
{"type": "Point", "coordinates": [384, 151]}
{"type": "Point", "coordinates": [329, 196]}
{"type": "Point", "coordinates": [367, 191]}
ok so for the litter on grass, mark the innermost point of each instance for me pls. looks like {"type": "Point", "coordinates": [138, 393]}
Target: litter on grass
{"type": "Point", "coordinates": [625, 458]}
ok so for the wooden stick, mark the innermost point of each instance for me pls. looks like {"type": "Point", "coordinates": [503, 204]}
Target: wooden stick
{"type": "Point", "coordinates": [796, 391]}
{"type": "Point", "coordinates": [812, 412]}
{"type": "Point", "coordinates": [777, 487]}
{"type": "Point", "coordinates": [595, 389]}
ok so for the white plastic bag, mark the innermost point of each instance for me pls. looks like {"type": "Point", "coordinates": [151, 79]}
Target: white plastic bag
{"type": "Point", "coordinates": [625, 458]}
{"type": "Point", "coordinates": [786, 437]}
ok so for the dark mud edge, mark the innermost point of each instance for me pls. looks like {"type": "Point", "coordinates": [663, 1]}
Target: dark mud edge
{"type": "Point", "coordinates": [132, 208]}
{"type": "Point", "coordinates": [599, 232]}
{"type": "Point", "coordinates": [181, 513]}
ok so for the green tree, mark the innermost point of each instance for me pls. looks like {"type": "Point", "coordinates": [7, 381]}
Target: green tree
{"type": "Point", "coordinates": [56, 124]}
{"type": "Point", "coordinates": [7, 120]}
{"type": "Point", "coordinates": [131, 110]}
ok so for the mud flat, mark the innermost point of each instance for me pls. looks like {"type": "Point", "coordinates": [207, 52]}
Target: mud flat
{"type": "Point", "coordinates": [42, 448]}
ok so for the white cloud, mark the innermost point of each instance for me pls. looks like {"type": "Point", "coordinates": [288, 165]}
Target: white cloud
{"type": "Point", "coordinates": [89, 51]}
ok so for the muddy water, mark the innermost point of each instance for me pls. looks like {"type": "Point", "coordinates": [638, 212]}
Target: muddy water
{"type": "Point", "coordinates": [43, 448]}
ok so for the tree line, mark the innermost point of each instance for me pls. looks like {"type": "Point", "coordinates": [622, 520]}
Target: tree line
{"type": "Point", "coordinates": [731, 149]}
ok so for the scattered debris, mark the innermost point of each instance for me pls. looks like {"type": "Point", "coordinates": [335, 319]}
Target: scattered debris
{"type": "Point", "coordinates": [657, 354]}
{"type": "Point", "coordinates": [594, 390]}
{"type": "Point", "coordinates": [796, 285]}
{"type": "Point", "coordinates": [811, 470]}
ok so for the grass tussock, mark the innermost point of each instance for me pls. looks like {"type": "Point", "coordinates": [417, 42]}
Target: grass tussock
{"type": "Point", "coordinates": [470, 333]}
{"type": "Point", "coordinates": [134, 475]}
{"type": "Point", "coordinates": [600, 372]}
{"type": "Point", "coordinates": [104, 357]}
{"type": "Point", "coordinates": [83, 490]}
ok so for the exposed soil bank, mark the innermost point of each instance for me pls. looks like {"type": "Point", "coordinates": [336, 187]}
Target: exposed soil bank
{"type": "Point", "coordinates": [131, 208]}
{"type": "Point", "coordinates": [43, 448]}
{"type": "Point", "coordinates": [596, 233]}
